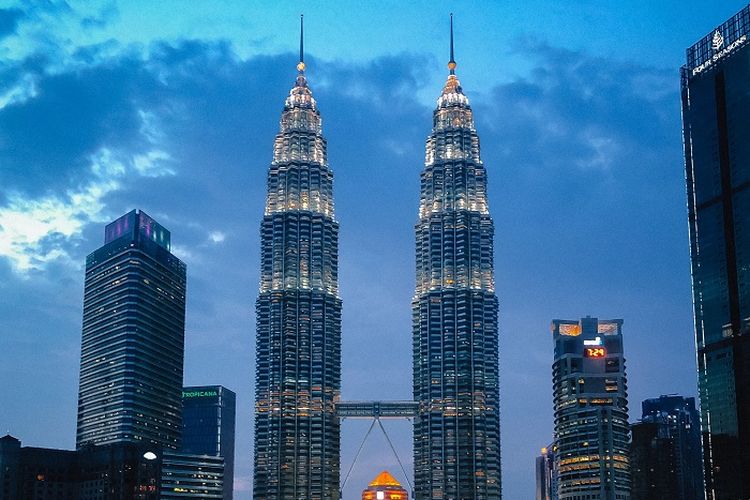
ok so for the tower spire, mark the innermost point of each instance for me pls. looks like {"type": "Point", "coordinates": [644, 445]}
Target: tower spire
{"type": "Point", "coordinates": [301, 63]}
{"type": "Point", "coordinates": [452, 62]}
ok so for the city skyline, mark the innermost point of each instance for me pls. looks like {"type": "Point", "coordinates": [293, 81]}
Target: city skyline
{"type": "Point", "coordinates": [158, 149]}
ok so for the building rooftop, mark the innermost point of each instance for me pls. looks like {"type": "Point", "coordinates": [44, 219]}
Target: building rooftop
{"type": "Point", "coordinates": [385, 479]}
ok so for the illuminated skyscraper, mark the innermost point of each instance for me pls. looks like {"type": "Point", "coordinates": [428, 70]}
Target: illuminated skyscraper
{"type": "Point", "coordinates": [455, 345]}
{"type": "Point", "coordinates": [133, 338]}
{"type": "Point", "coordinates": [298, 343]}
{"type": "Point", "coordinates": [716, 128]}
{"type": "Point", "coordinates": [591, 410]}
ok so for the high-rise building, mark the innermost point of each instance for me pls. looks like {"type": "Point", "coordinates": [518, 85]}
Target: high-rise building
{"type": "Point", "coordinates": [591, 410]}
{"type": "Point", "coordinates": [298, 335]}
{"type": "Point", "coordinates": [133, 337]}
{"type": "Point", "coordinates": [716, 128]}
{"type": "Point", "coordinates": [546, 476]}
{"type": "Point", "coordinates": [184, 475]}
{"type": "Point", "coordinates": [385, 487]}
{"type": "Point", "coordinates": [652, 463]}
{"type": "Point", "coordinates": [454, 310]}
{"type": "Point", "coordinates": [208, 421]}
{"type": "Point", "coordinates": [665, 451]}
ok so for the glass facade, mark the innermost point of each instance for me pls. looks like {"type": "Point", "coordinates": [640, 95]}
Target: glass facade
{"type": "Point", "coordinates": [455, 344]}
{"type": "Point", "coordinates": [591, 410]}
{"type": "Point", "coordinates": [298, 334]}
{"type": "Point", "coordinates": [716, 128]}
{"type": "Point", "coordinates": [665, 451]}
{"type": "Point", "coordinates": [208, 423]}
{"type": "Point", "coordinates": [546, 474]}
{"type": "Point", "coordinates": [133, 338]}
{"type": "Point", "coordinates": [192, 476]}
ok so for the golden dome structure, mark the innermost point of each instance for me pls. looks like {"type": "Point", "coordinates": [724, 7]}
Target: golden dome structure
{"type": "Point", "coordinates": [384, 487]}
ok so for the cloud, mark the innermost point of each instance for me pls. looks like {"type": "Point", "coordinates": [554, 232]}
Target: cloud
{"type": "Point", "coordinates": [9, 19]}
{"type": "Point", "coordinates": [105, 16]}
{"type": "Point", "coordinates": [37, 231]}
{"type": "Point", "coordinates": [575, 112]}
{"type": "Point", "coordinates": [216, 236]}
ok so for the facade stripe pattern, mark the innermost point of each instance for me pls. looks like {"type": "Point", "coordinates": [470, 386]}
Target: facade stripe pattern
{"type": "Point", "coordinates": [455, 336]}
{"type": "Point", "coordinates": [298, 335]}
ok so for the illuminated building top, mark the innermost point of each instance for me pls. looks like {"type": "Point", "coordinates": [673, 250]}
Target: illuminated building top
{"type": "Point", "coordinates": [384, 487]}
{"type": "Point", "coordinates": [136, 224]}
{"type": "Point", "coordinates": [299, 178]}
{"type": "Point", "coordinates": [721, 42]}
{"type": "Point", "coordinates": [385, 479]}
{"type": "Point", "coordinates": [454, 181]}
{"type": "Point", "coordinates": [301, 183]}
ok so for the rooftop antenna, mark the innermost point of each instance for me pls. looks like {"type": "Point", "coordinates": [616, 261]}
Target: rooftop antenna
{"type": "Point", "coordinates": [301, 64]}
{"type": "Point", "coordinates": [452, 62]}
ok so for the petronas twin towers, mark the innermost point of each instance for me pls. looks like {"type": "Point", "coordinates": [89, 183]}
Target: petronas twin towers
{"type": "Point", "coordinates": [454, 335]}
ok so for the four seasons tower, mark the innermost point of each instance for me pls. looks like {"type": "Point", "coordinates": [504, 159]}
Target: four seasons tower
{"type": "Point", "coordinates": [455, 344]}
{"type": "Point", "coordinates": [298, 337]}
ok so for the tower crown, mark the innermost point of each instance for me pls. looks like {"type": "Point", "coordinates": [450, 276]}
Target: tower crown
{"type": "Point", "coordinates": [452, 93]}
{"type": "Point", "coordinates": [300, 96]}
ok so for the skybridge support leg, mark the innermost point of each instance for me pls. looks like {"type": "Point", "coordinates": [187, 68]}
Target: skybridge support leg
{"type": "Point", "coordinates": [341, 492]}
{"type": "Point", "coordinates": [393, 449]}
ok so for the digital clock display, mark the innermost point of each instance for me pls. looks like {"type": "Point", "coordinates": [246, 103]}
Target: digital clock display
{"type": "Point", "coordinates": [594, 352]}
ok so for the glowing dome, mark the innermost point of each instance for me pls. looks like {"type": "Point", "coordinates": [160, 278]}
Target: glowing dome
{"type": "Point", "coordinates": [385, 487]}
{"type": "Point", "coordinates": [385, 479]}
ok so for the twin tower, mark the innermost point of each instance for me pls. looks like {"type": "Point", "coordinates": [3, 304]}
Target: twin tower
{"type": "Point", "coordinates": [454, 332]}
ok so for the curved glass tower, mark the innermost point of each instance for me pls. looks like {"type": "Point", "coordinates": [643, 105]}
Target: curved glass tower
{"type": "Point", "coordinates": [298, 344]}
{"type": "Point", "coordinates": [457, 430]}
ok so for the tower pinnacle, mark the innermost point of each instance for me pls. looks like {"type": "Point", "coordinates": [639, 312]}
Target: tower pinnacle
{"type": "Point", "coordinates": [301, 63]}
{"type": "Point", "coordinates": [452, 63]}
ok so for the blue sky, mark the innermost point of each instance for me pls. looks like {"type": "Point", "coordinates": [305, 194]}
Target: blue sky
{"type": "Point", "coordinates": [106, 107]}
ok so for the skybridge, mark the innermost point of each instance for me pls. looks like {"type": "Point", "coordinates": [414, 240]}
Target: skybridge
{"type": "Point", "coordinates": [377, 411]}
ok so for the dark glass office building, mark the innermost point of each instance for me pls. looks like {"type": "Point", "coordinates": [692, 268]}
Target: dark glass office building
{"type": "Point", "coordinates": [133, 338]}
{"type": "Point", "coordinates": [454, 311]}
{"type": "Point", "coordinates": [591, 410]}
{"type": "Point", "coordinates": [122, 471]}
{"type": "Point", "coordinates": [298, 334]}
{"type": "Point", "coordinates": [665, 451]}
{"type": "Point", "coordinates": [208, 421]}
{"type": "Point", "coordinates": [716, 127]}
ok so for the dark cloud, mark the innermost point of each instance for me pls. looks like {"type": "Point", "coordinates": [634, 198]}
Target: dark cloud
{"type": "Point", "coordinates": [46, 141]}
{"type": "Point", "coordinates": [586, 190]}
{"type": "Point", "coordinates": [9, 19]}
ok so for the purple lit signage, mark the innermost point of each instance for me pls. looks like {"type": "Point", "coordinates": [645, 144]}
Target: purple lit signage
{"type": "Point", "coordinates": [119, 228]}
